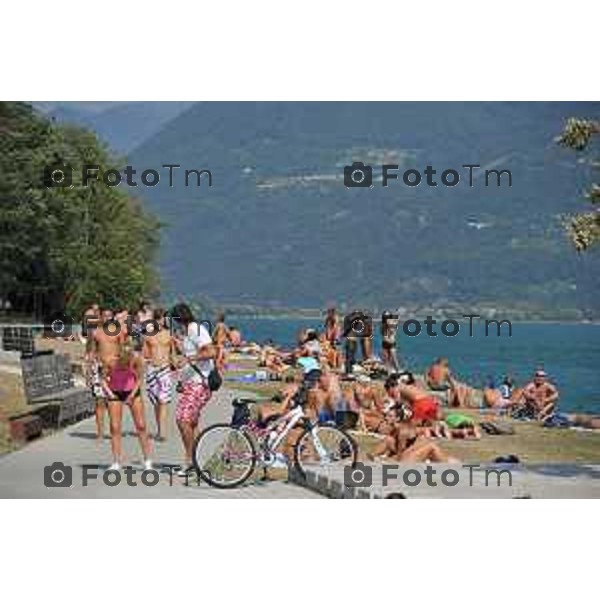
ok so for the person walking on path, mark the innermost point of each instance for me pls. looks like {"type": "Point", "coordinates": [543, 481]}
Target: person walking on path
{"type": "Point", "coordinates": [194, 392]}
{"type": "Point", "coordinates": [158, 351]}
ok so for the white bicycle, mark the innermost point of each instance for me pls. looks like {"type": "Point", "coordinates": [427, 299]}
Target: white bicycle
{"type": "Point", "coordinates": [227, 454]}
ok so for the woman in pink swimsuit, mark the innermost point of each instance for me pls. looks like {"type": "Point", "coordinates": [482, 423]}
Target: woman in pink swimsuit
{"type": "Point", "coordinates": [122, 385]}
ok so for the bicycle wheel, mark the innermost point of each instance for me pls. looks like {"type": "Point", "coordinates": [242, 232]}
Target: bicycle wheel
{"type": "Point", "coordinates": [322, 446]}
{"type": "Point", "coordinates": [224, 456]}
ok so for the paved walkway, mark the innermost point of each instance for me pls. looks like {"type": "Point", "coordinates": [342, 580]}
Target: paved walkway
{"type": "Point", "coordinates": [22, 472]}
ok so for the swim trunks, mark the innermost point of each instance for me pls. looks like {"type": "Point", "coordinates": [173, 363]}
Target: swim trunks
{"type": "Point", "coordinates": [94, 381]}
{"type": "Point", "coordinates": [159, 384]}
{"type": "Point", "coordinates": [425, 409]}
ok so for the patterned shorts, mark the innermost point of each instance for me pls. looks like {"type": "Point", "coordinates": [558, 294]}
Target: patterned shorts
{"type": "Point", "coordinates": [159, 384]}
{"type": "Point", "coordinates": [193, 398]}
{"type": "Point", "coordinates": [94, 381]}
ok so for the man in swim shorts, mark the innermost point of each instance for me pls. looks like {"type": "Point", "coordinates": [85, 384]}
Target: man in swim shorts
{"type": "Point", "coordinates": [541, 395]}
{"type": "Point", "coordinates": [102, 350]}
{"type": "Point", "coordinates": [158, 351]}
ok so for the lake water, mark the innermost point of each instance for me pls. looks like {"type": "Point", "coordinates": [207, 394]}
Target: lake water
{"type": "Point", "coordinates": [570, 353]}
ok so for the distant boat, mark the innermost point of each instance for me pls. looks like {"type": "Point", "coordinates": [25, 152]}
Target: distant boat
{"type": "Point", "coordinates": [478, 224]}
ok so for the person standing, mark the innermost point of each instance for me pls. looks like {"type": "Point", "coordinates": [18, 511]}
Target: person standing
{"type": "Point", "coordinates": [158, 350]}
{"type": "Point", "coordinates": [103, 348]}
{"type": "Point", "coordinates": [122, 385]}
{"type": "Point", "coordinates": [220, 336]}
{"type": "Point", "coordinates": [198, 362]}
{"type": "Point", "coordinates": [389, 328]}
{"type": "Point", "coordinates": [333, 332]}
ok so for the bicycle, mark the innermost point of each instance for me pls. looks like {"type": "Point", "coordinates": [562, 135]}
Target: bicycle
{"type": "Point", "coordinates": [225, 455]}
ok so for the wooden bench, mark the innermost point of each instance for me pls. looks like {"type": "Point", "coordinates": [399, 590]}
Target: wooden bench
{"type": "Point", "coordinates": [48, 379]}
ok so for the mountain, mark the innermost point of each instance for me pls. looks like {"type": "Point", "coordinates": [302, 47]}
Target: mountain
{"type": "Point", "coordinates": [279, 227]}
{"type": "Point", "coordinates": [122, 125]}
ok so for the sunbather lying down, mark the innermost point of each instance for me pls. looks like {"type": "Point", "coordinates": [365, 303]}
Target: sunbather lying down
{"type": "Point", "coordinates": [587, 421]}
{"type": "Point", "coordinates": [405, 445]}
{"type": "Point", "coordinates": [572, 420]}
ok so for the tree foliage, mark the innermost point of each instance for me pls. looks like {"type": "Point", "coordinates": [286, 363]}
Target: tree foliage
{"type": "Point", "coordinates": [64, 247]}
{"type": "Point", "coordinates": [584, 228]}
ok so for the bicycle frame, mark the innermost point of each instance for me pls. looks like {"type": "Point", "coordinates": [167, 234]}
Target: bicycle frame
{"type": "Point", "coordinates": [292, 418]}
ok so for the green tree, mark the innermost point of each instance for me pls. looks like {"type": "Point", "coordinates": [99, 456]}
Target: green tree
{"type": "Point", "coordinates": [583, 228]}
{"type": "Point", "coordinates": [64, 247]}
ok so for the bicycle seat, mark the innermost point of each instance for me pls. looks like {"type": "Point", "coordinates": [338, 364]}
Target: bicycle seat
{"type": "Point", "coordinates": [243, 401]}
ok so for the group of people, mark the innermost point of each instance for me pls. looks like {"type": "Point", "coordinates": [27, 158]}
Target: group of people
{"type": "Point", "coordinates": [408, 412]}
{"type": "Point", "coordinates": [175, 360]}
{"type": "Point", "coordinates": [170, 356]}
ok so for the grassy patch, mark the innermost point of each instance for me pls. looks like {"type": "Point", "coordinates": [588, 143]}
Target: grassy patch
{"type": "Point", "coordinates": [12, 402]}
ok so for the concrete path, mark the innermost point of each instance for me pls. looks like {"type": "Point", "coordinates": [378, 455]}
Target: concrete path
{"type": "Point", "coordinates": [22, 472]}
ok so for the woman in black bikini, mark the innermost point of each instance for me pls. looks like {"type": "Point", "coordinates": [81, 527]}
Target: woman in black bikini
{"type": "Point", "coordinates": [389, 327]}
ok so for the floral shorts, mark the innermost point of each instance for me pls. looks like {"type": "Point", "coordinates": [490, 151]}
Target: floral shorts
{"type": "Point", "coordinates": [193, 398]}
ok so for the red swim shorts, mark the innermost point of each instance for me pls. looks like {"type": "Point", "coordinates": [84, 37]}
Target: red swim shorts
{"type": "Point", "coordinates": [192, 399]}
{"type": "Point", "coordinates": [425, 409]}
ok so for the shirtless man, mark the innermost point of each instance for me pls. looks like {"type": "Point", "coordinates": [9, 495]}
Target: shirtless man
{"type": "Point", "coordinates": [328, 397]}
{"type": "Point", "coordinates": [220, 336]}
{"type": "Point", "coordinates": [370, 405]}
{"type": "Point", "coordinates": [90, 319]}
{"type": "Point", "coordinates": [159, 350]}
{"type": "Point", "coordinates": [103, 349]}
{"type": "Point", "coordinates": [425, 408]}
{"type": "Point", "coordinates": [541, 395]}
{"type": "Point", "coordinates": [122, 317]}
{"type": "Point", "coordinates": [143, 317]}
{"type": "Point", "coordinates": [439, 378]}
